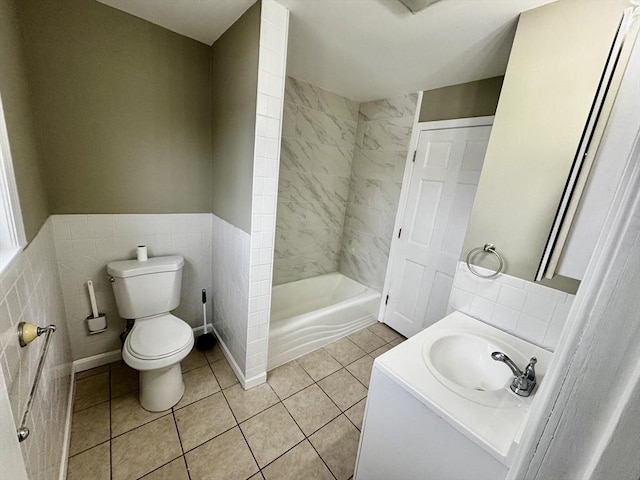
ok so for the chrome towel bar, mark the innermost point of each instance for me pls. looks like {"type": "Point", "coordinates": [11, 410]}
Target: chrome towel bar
{"type": "Point", "coordinates": [23, 430]}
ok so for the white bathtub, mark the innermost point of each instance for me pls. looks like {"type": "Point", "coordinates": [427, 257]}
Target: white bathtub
{"type": "Point", "coordinates": [310, 313]}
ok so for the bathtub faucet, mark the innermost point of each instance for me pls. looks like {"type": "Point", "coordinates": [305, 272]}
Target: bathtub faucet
{"type": "Point", "coordinates": [523, 382]}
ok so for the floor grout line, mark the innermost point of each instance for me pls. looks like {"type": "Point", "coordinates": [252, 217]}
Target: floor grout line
{"type": "Point", "coordinates": [280, 400]}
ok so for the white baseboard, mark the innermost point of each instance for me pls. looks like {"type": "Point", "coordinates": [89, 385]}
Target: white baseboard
{"type": "Point", "coordinates": [255, 381]}
{"type": "Point", "coordinates": [246, 383]}
{"type": "Point", "coordinates": [64, 462]}
{"type": "Point", "coordinates": [104, 358]}
{"type": "Point", "coordinates": [199, 330]}
{"type": "Point", "coordinates": [96, 361]}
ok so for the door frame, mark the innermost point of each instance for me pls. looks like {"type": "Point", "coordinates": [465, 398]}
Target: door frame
{"type": "Point", "coordinates": [418, 128]}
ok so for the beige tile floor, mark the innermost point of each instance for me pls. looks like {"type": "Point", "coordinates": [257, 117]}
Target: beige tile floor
{"type": "Point", "coordinates": [304, 423]}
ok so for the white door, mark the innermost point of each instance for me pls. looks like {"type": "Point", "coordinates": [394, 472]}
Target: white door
{"type": "Point", "coordinates": [440, 196]}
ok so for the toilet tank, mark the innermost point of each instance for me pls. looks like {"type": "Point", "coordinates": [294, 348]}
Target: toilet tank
{"type": "Point", "coordinates": [146, 288]}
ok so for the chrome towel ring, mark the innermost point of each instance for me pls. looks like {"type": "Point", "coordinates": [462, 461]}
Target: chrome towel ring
{"type": "Point", "coordinates": [489, 248]}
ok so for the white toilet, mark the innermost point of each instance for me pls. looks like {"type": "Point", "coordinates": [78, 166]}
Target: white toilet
{"type": "Point", "coordinates": [158, 341]}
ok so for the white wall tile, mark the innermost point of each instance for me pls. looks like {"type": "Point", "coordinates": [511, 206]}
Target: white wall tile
{"type": "Point", "coordinates": [115, 237]}
{"type": "Point", "coordinates": [505, 318]}
{"type": "Point", "coordinates": [487, 289]}
{"type": "Point", "coordinates": [530, 311]}
{"type": "Point", "coordinates": [274, 13]}
{"type": "Point", "coordinates": [259, 245]}
{"type": "Point", "coordinates": [460, 299]}
{"type": "Point", "coordinates": [274, 106]}
{"type": "Point", "coordinates": [465, 281]}
{"type": "Point", "coordinates": [512, 297]}
{"type": "Point", "coordinates": [482, 307]}
{"type": "Point", "coordinates": [230, 253]}
{"type": "Point", "coordinates": [505, 279]}
{"type": "Point", "coordinates": [562, 310]}
{"type": "Point", "coordinates": [531, 329]}
{"type": "Point", "coordinates": [31, 291]}
{"type": "Point", "coordinates": [539, 307]}
{"type": "Point", "coordinates": [261, 125]}
{"type": "Point", "coordinates": [262, 101]}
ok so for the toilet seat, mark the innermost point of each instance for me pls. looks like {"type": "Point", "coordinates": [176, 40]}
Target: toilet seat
{"type": "Point", "coordinates": [157, 341]}
{"type": "Point", "coordinates": [158, 337]}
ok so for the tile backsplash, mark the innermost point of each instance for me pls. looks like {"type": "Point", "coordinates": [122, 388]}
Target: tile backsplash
{"type": "Point", "coordinates": [30, 292]}
{"type": "Point", "coordinates": [86, 243]}
{"type": "Point", "coordinates": [528, 310]}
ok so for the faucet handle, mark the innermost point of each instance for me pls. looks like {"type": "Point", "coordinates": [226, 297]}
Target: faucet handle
{"type": "Point", "coordinates": [530, 371]}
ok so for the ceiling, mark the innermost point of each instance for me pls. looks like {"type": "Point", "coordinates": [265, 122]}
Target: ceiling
{"type": "Point", "coordinates": [202, 20]}
{"type": "Point", "coordinates": [372, 49]}
{"type": "Point", "coordinates": [365, 49]}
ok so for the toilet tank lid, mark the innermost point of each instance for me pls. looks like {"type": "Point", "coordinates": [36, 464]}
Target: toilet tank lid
{"type": "Point", "coordinates": [132, 268]}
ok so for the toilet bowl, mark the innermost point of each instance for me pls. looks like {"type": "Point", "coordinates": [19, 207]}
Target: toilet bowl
{"type": "Point", "coordinates": [155, 347]}
{"type": "Point", "coordinates": [146, 292]}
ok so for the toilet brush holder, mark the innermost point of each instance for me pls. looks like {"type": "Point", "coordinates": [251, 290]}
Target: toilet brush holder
{"type": "Point", "coordinates": [96, 324]}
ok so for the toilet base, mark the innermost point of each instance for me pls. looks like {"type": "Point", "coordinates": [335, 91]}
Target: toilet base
{"type": "Point", "coordinates": [161, 389]}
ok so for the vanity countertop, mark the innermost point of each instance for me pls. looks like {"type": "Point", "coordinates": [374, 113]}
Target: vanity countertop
{"type": "Point", "coordinates": [493, 420]}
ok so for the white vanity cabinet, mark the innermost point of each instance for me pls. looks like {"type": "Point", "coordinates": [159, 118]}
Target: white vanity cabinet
{"type": "Point", "coordinates": [402, 438]}
{"type": "Point", "coordinates": [433, 415]}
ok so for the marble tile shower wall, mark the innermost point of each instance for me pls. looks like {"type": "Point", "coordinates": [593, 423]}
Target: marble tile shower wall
{"type": "Point", "coordinates": [86, 243]}
{"type": "Point", "coordinates": [318, 136]}
{"type": "Point", "coordinates": [527, 310]}
{"type": "Point", "coordinates": [382, 140]}
{"type": "Point", "coordinates": [30, 292]}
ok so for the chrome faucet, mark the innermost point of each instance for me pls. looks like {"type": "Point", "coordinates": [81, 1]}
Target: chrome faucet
{"type": "Point", "coordinates": [523, 382]}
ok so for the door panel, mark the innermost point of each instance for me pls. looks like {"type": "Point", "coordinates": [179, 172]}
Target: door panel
{"type": "Point", "coordinates": [440, 196]}
{"type": "Point", "coordinates": [438, 155]}
{"type": "Point", "coordinates": [424, 217]}
{"type": "Point", "coordinates": [439, 297]}
{"type": "Point", "coordinates": [412, 274]}
{"type": "Point", "coordinates": [459, 218]}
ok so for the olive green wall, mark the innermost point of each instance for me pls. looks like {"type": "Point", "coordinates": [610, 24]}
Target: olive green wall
{"type": "Point", "coordinates": [234, 68]}
{"type": "Point", "coordinates": [471, 99]}
{"type": "Point", "coordinates": [16, 105]}
{"type": "Point", "coordinates": [122, 110]}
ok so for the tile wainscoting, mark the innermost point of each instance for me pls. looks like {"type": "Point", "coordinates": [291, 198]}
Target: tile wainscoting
{"type": "Point", "coordinates": [30, 292]}
{"type": "Point", "coordinates": [86, 243]}
{"type": "Point", "coordinates": [230, 294]}
{"type": "Point", "coordinates": [217, 258]}
{"type": "Point", "coordinates": [525, 309]}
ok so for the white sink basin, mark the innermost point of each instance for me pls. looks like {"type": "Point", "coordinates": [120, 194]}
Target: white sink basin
{"type": "Point", "coordinates": [448, 367]}
{"type": "Point", "coordinates": [461, 361]}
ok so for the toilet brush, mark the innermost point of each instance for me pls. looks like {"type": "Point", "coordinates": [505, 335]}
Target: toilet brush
{"type": "Point", "coordinates": [206, 340]}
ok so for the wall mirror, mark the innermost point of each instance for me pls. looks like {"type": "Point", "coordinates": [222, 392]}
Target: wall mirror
{"type": "Point", "coordinates": [560, 68]}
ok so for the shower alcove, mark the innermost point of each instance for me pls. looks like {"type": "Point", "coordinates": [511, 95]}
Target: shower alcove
{"type": "Point", "coordinates": [341, 169]}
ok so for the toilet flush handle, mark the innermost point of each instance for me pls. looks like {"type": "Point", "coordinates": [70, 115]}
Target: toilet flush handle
{"type": "Point", "coordinates": [111, 279]}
